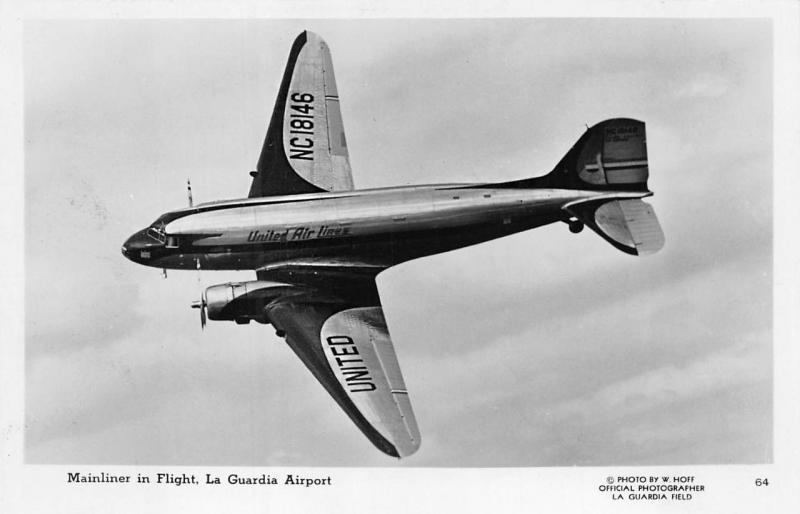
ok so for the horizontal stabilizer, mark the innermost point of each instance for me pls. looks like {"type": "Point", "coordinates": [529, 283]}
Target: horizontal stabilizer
{"type": "Point", "coordinates": [629, 224]}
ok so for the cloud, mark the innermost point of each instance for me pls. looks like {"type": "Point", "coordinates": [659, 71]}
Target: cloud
{"type": "Point", "coordinates": [704, 87]}
{"type": "Point", "coordinates": [742, 363]}
{"type": "Point", "coordinates": [713, 410]}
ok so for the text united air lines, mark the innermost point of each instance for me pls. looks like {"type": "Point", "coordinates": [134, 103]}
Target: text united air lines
{"type": "Point", "coordinates": [297, 234]}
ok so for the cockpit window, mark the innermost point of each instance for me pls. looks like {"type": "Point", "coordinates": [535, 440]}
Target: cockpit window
{"type": "Point", "coordinates": [157, 233]}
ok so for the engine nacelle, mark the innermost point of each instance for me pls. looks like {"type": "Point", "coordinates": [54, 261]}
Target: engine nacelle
{"type": "Point", "coordinates": [243, 301]}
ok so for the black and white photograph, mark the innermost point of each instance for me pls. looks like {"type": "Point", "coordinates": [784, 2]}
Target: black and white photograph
{"type": "Point", "coordinates": [255, 245]}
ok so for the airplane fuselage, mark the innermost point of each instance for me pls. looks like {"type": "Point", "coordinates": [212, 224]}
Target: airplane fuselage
{"type": "Point", "coordinates": [378, 226]}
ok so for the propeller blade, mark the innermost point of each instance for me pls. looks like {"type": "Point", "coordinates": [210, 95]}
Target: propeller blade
{"type": "Point", "coordinates": [202, 305]}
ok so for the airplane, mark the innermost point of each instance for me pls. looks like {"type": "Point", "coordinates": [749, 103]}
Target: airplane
{"type": "Point", "coordinates": [317, 243]}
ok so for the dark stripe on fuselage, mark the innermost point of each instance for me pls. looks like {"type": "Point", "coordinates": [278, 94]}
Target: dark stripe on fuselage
{"type": "Point", "coordinates": [387, 249]}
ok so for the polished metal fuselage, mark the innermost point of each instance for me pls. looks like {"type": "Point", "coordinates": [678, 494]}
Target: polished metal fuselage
{"type": "Point", "coordinates": [382, 226]}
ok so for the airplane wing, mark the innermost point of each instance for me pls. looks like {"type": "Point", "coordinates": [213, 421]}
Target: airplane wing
{"type": "Point", "coordinates": [336, 327]}
{"type": "Point", "coordinates": [305, 149]}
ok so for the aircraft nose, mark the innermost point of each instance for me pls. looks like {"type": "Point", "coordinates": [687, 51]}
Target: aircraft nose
{"type": "Point", "coordinates": [128, 246]}
{"type": "Point", "coordinates": [134, 245]}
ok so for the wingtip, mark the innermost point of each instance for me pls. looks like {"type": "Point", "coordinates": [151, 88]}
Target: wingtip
{"type": "Point", "coordinates": [312, 36]}
{"type": "Point", "coordinates": [400, 452]}
{"type": "Point", "coordinates": [407, 448]}
{"type": "Point", "coordinates": [301, 39]}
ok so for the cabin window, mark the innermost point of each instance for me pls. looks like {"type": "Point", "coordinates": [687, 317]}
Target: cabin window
{"type": "Point", "coordinates": [172, 241]}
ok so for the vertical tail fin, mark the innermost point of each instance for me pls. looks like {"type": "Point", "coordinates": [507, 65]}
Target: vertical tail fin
{"type": "Point", "coordinates": [609, 155]}
{"type": "Point", "coordinates": [612, 154]}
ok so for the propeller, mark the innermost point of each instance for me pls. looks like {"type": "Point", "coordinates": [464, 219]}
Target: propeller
{"type": "Point", "coordinates": [201, 304]}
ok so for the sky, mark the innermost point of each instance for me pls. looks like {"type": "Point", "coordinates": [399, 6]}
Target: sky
{"type": "Point", "coordinates": [544, 348]}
